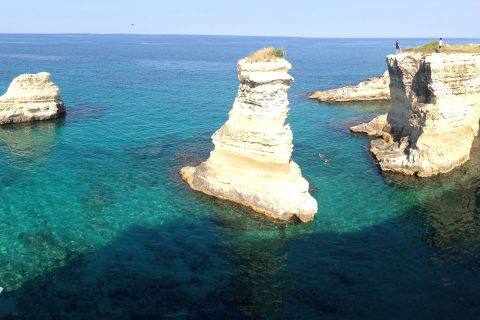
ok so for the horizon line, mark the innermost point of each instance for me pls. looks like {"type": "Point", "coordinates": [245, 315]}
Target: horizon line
{"type": "Point", "coordinates": [225, 35]}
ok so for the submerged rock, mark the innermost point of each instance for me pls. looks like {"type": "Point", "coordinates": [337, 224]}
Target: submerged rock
{"type": "Point", "coordinates": [372, 89]}
{"type": "Point", "coordinates": [434, 116]}
{"type": "Point", "coordinates": [31, 97]}
{"type": "Point", "coordinates": [30, 141]}
{"type": "Point", "coordinates": [251, 163]}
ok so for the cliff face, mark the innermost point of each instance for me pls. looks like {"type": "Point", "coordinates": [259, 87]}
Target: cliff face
{"type": "Point", "coordinates": [251, 163]}
{"type": "Point", "coordinates": [31, 97]}
{"type": "Point", "coordinates": [373, 89]}
{"type": "Point", "coordinates": [434, 116]}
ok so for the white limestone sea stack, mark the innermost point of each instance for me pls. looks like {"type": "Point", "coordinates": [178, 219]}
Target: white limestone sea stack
{"type": "Point", "coordinates": [251, 163]}
{"type": "Point", "coordinates": [434, 115]}
{"type": "Point", "coordinates": [31, 97]}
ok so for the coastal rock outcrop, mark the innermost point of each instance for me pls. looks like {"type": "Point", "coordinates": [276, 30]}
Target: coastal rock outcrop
{"type": "Point", "coordinates": [251, 162]}
{"type": "Point", "coordinates": [31, 97]}
{"type": "Point", "coordinates": [434, 115]}
{"type": "Point", "coordinates": [374, 128]}
{"type": "Point", "coordinates": [373, 89]}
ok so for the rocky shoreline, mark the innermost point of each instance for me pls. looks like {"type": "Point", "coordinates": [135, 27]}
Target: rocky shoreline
{"type": "Point", "coordinates": [434, 115]}
{"type": "Point", "coordinates": [372, 89]}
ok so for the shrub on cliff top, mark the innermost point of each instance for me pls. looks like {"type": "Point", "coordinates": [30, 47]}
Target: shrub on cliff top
{"type": "Point", "coordinates": [427, 48]}
{"type": "Point", "coordinates": [432, 47]}
{"type": "Point", "coordinates": [266, 54]}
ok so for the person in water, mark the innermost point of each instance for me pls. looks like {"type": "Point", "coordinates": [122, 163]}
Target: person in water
{"type": "Point", "coordinates": [397, 46]}
{"type": "Point", "coordinates": [440, 44]}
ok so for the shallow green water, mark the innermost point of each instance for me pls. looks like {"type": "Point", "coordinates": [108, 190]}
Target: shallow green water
{"type": "Point", "coordinates": [96, 222]}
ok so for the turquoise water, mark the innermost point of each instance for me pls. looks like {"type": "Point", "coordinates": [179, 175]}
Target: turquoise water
{"type": "Point", "coordinates": [96, 223]}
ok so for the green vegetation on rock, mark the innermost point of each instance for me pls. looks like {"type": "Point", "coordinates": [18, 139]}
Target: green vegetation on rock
{"type": "Point", "coordinates": [267, 54]}
{"type": "Point", "coordinates": [432, 47]}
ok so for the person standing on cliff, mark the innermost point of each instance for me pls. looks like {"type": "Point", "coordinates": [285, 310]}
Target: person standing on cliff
{"type": "Point", "coordinates": [440, 44]}
{"type": "Point", "coordinates": [397, 46]}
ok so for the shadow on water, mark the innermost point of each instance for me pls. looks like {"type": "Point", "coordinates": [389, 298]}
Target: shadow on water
{"type": "Point", "coordinates": [234, 265]}
{"type": "Point", "coordinates": [223, 262]}
{"type": "Point", "coordinates": [449, 203]}
{"type": "Point", "coordinates": [465, 176]}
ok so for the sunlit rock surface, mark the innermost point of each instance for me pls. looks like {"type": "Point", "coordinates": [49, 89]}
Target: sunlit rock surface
{"type": "Point", "coordinates": [374, 128]}
{"type": "Point", "coordinates": [434, 115]}
{"type": "Point", "coordinates": [372, 89]}
{"type": "Point", "coordinates": [31, 97]}
{"type": "Point", "coordinates": [251, 163]}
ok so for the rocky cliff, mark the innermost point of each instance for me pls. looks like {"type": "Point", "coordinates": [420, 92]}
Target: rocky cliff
{"type": "Point", "coordinates": [251, 162]}
{"type": "Point", "coordinates": [434, 115]}
{"type": "Point", "coordinates": [31, 97]}
{"type": "Point", "coordinates": [373, 89]}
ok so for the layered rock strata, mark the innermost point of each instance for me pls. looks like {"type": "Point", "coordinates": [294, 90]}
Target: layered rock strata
{"type": "Point", "coordinates": [434, 115]}
{"type": "Point", "coordinates": [251, 162]}
{"type": "Point", "coordinates": [373, 89]}
{"type": "Point", "coordinates": [31, 97]}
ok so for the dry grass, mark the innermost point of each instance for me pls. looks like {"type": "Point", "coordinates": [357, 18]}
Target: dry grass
{"type": "Point", "coordinates": [266, 54]}
{"type": "Point", "coordinates": [432, 47]}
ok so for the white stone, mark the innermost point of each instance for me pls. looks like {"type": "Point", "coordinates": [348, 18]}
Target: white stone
{"type": "Point", "coordinates": [434, 115]}
{"type": "Point", "coordinates": [251, 162]}
{"type": "Point", "coordinates": [31, 97]}
{"type": "Point", "coordinates": [372, 89]}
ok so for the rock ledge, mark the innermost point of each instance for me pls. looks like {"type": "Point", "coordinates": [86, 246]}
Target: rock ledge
{"type": "Point", "coordinates": [373, 89]}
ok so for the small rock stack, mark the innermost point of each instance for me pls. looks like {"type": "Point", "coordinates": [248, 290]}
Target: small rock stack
{"type": "Point", "coordinates": [31, 97]}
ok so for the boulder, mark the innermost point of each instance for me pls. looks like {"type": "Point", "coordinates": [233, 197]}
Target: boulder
{"type": "Point", "coordinates": [31, 97]}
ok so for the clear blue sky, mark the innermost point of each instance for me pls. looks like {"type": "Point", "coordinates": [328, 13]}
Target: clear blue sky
{"type": "Point", "coordinates": [308, 18]}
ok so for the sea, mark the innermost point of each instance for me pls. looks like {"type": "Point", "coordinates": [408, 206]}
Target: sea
{"type": "Point", "coordinates": [96, 223]}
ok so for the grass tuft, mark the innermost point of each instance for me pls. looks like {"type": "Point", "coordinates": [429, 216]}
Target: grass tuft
{"type": "Point", "coordinates": [266, 54]}
{"type": "Point", "coordinates": [432, 47]}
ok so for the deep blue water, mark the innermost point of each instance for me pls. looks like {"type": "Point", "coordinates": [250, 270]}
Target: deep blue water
{"type": "Point", "coordinates": [96, 223]}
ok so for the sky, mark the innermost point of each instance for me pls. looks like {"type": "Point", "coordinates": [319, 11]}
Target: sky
{"type": "Point", "coordinates": [300, 18]}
